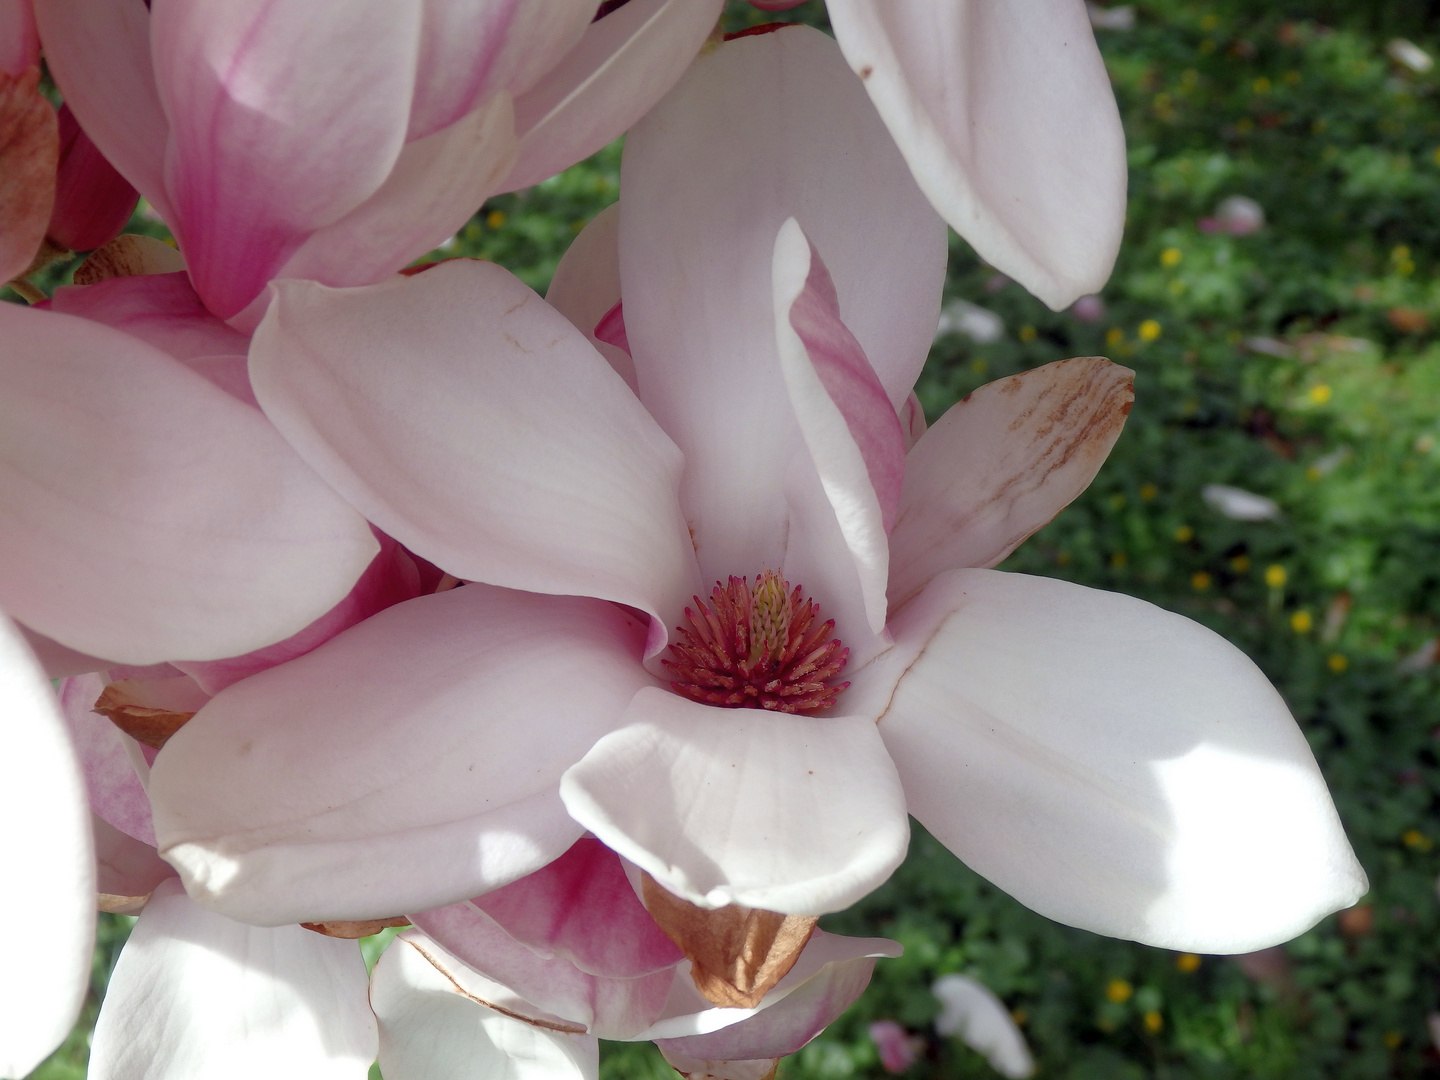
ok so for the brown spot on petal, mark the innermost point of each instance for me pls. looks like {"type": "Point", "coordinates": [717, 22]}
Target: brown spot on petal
{"type": "Point", "coordinates": [149, 711]}
{"type": "Point", "coordinates": [29, 156]}
{"type": "Point", "coordinates": [351, 930]}
{"type": "Point", "coordinates": [736, 953]}
{"type": "Point", "coordinates": [129, 255]}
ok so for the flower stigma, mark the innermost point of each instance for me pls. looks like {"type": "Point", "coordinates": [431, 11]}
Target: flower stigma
{"type": "Point", "coordinates": [758, 646]}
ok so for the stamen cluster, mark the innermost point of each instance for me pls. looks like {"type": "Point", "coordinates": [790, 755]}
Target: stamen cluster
{"type": "Point", "coordinates": [758, 647]}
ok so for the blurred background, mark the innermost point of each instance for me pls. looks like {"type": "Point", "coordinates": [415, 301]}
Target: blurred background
{"type": "Point", "coordinates": [1278, 480]}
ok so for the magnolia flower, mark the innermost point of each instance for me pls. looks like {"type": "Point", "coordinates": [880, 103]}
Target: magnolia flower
{"type": "Point", "coordinates": [268, 158]}
{"type": "Point", "coordinates": [568, 953]}
{"type": "Point", "coordinates": [1110, 764]}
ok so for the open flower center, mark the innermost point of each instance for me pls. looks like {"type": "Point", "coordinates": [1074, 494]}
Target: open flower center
{"type": "Point", "coordinates": [758, 646]}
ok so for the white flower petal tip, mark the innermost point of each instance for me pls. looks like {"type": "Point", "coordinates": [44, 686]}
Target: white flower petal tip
{"type": "Point", "coordinates": [195, 994]}
{"type": "Point", "coordinates": [440, 1020]}
{"type": "Point", "coordinates": [1007, 119]}
{"type": "Point", "coordinates": [800, 815]}
{"type": "Point", "coordinates": [1237, 504]}
{"type": "Point", "coordinates": [970, 1011]}
{"type": "Point", "coordinates": [49, 862]}
{"type": "Point", "coordinates": [1001, 463]}
{"type": "Point", "coordinates": [1113, 766]}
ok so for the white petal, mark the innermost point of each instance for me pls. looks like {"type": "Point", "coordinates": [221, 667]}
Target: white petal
{"type": "Point", "coordinates": [706, 187]}
{"type": "Point", "coordinates": [851, 431]}
{"type": "Point", "coordinates": [409, 762]}
{"type": "Point", "coordinates": [49, 865]}
{"type": "Point", "coordinates": [197, 995]}
{"type": "Point", "coordinates": [1001, 463]}
{"type": "Point", "coordinates": [800, 815]}
{"type": "Point", "coordinates": [503, 449]}
{"type": "Point", "coordinates": [1112, 765]}
{"type": "Point", "coordinates": [1005, 113]}
{"type": "Point", "coordinates": [971, 1011]}
{"type": "Point", "coordinates": [621, 67]}
{"type": "Point", "coordinates": [441, 1021]}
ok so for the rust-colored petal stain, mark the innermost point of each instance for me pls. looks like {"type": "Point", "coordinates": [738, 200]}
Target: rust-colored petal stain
{"type": "Point", "coordinates": [29, 155]}
{"type": "Point", "coordinates": [350, 931]}
{"type": "Point", "coordinates": [736, 953]}
{"type": "Point", "coordinates": [145, 724]}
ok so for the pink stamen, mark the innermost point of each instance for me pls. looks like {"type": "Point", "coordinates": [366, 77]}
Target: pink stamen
{"type": "Point", "coordinates": [758, 647]}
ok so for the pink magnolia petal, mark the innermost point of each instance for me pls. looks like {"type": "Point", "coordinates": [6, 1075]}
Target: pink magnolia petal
{"type": "Point", "coordinates": [1111, 765]}
{"type": "Point", "coordinates": [582, 908]}
{"type": "Point", "coordinates": [123, 865]}
{"type": "Point", "coordinates": [825, 957]}
{"type": "Point", "coordinates": [790, 1023]}
{"type": "Point", "coordinates": [536, 37]}
{"type": "Point", "coordinates": [391, 578]}
{"type": "Point", "coordinates": [441, 1021]}
{"type": "Point", "coordinates": [114, 771]}
{"type": "Point", "coordinates": [504, 450]}
{"type": "Point", "coordinates": [98, 52]}
{"type": "Point", "coordinates": [805, 300]}
{"type": "Point", "coordinates": [19, 42]}
{"type": "Point", "coordinates": [151, 516]}
{"type": "Point", "coordinates": [49, 865]}
{"type": "Point", "coordinates": [707, 187]}
{"type": "Point", "coordinates": [611, 1007]}
{"type": "Point", "coordinates": [264, 150]}
{"type": "Point", "coordinates": [29, 147]}
{"type": "Point", "coordinates": [407, 763]}
{"type": "Point", "coordinates": [195, 994]}
{"type": "Point", "coordinates": [93, 202]}
{"type": "Point", "coordinates": [1002, 463]}
{"type": "Point", "coordinates": [586, 290]}
{"type": "Point", "coordinates": [912, 419]}
{"type": "Point", "coordinates": [60, 661]}
{"type": "Point", "coordinates": [853, 436]}
{"type": "Point", "coordinates": [620, 68]}
{"type": "Point", "coordinates": [433, 190]}
{"type": "Point", "coordinates": [586, 285]}
{"type": "Point", "coordinates": [795, 814]}
{"type": "Point", "coordinates": [468, 52]}
{"type": "Point", "coordinates": [162, 310]}
{"type": "Point", "coordinates": [1006, 116]}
